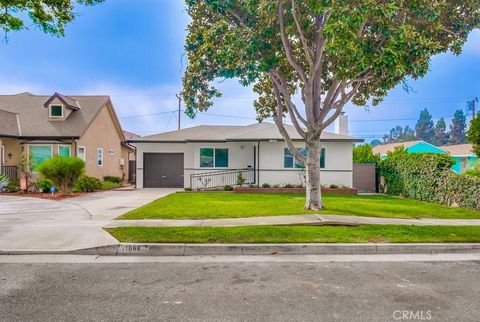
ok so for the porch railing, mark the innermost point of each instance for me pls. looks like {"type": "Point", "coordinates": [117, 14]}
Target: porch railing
{"type": "Point", "coordinates": [10, 171]}
{"type": "Point", "coordinates": [217, 179]}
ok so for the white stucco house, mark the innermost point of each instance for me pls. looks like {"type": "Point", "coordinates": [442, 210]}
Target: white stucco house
{"type": "Point", "coordinates": [210, 156]}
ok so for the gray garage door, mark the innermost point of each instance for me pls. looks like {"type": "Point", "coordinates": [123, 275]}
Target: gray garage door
{"type": "Point", "coordinates": [163, 170]}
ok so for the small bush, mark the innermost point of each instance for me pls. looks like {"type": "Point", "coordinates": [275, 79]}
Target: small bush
{"type": "Point", "coordinates": [63, 171]}
{"type": "Point", "coordinates": [266, 185]}
{"type": "Point", "coordinates": [109, 185]}
{"type": "Point", "coordinates": [13, 185]}
{"type": "Point", "coordinates": [228, 188]}
{"type": "Point", "coordinates": [333, 186]}
{"type": "Point", "coordinates": [44, 185]}
{"type": "Point", "coordinates": [240, 179]}
{"type": "Point", "coordinates": [253, 186]}
{"type": "Point", "coordinates": [113, 179]}
{"type": "Point", "coordinates": [289, 186]}
{"type": "Point", "coordinates": [87, 184]}
{"type": "Point", "coordinates": [188, 189]}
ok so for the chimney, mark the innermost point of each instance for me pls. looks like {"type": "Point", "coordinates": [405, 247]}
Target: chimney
{"type": "Point", "coordinates": [341, 124]}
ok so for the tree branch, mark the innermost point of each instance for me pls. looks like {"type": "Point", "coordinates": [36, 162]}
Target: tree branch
{"type": "Point", "coordinates": [302, 36]}
{"type": "Point", "coordinates": [288, 46]}
{"type": "Point", "coordinates": [293, 117]}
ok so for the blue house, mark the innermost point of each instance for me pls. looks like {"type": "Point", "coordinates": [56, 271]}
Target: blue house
{"type": "Point", "coordinates": [462, 153]}
{"type": "Point", "coordinates": [418, 146]}
{"type": "Point", "coordinates": [464, 157]}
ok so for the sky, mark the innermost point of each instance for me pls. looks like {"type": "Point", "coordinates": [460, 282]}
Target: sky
{"type": "Point", "coordinates": [133, 51]}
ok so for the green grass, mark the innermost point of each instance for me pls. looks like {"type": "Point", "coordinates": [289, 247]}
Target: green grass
{"type": "Point", "coordinates": [299, 234]}
{"type": "Point", "coordinates": [236, 205]}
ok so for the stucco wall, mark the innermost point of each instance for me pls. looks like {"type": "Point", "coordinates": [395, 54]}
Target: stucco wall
{"type": "Point", "coordinates": [338, 162]}
{"type": "Point", "coordinates": [11, 146]}
{"type": "Point", "coordinates": [102, 133]}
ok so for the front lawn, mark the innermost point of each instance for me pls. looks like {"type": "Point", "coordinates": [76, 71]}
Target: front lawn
{"type": "Point", "coordinates": [299, 234]}
{"type": "Point", "coordinates": [232, 205]}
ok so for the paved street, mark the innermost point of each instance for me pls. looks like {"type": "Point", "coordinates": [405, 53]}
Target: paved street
{"type": "Point", "coordinates": [38, 224]}
{"type": "Point", "coordinates": [271, 288]}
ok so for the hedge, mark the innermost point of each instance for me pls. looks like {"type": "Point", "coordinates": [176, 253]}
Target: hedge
{"type": "Point", "coordinates": [428, 177]}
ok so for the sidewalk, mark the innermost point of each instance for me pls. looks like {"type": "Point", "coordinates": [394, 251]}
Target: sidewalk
{"type": "Point", "coordinates": [314, 220]}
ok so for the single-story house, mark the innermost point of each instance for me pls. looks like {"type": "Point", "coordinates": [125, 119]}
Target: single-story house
{"type": "Point", "coordinates": [418, 146]}
{"type": "Point", "coordinates": [59, 125]}
{"type": "Point", "coordinates": [463, 155]}
{"type": "Point", "coordinates": [210, 156]}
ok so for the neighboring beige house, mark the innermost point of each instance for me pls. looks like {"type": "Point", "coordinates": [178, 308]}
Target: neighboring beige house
{"type": "Point", "coordinates": [59, 125]}
{"type": "Point", "coordinates": [213, 156]}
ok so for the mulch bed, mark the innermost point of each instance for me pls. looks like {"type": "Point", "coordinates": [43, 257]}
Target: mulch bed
{"type": "Point", "coordinates": [55, 196]}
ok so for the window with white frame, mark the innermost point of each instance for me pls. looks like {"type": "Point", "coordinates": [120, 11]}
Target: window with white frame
{"type": "Point", "coordinates": [213, 158]}
{"type": "Point", "coordinates": [39, 154]}
{"type": "Point", "coordinates": [56, 110]}
{"type": "Point", "coordinates": [100, 157]}
{"type": "Point", "coordinates": [64, 151]}
{"type": "Point", "coordinates": [82, 153]}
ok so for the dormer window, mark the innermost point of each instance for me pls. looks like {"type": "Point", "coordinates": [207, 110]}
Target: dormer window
{"type": "Point", "coordinates": [56, 111]}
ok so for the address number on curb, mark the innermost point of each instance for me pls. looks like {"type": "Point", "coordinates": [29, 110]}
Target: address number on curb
{"type": "Point", "coordinates": [133, 248]}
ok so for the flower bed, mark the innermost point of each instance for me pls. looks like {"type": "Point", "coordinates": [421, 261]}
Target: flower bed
{"type": "Point", "coordinates": [337, 191]}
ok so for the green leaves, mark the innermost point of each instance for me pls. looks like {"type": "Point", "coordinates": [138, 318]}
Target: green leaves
{"type": "Point", "coordinates": [388, 40]}
{"type": "Point", "coordinates": [50, 16]}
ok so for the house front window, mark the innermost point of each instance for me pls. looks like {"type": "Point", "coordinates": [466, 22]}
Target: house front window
{"type": "Point", "coordinates": [100, 157]}
{"type": "Point", "coordinates": [64, 150]}
{"type": "Point", "coordinates": [290, 162]}
{"type": "Point", "coordinates": [56, 111]}
{"type": "Point", "coordinates": [213, 158]}
{"type": "Point", "coordinates": [39, 154]}
{"type": "Point", "coordinates": [82, 153]}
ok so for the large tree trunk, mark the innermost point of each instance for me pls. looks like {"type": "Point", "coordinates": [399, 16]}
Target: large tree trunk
{"type": "Point", "coordinates": [314, 194]}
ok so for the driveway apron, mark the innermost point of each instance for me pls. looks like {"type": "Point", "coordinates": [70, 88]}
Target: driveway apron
{"type": "Point", "coordinates": [38, 224]}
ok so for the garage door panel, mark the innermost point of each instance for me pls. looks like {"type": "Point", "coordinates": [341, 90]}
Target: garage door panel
{"type": "Point", "coordinates": [163, 170]}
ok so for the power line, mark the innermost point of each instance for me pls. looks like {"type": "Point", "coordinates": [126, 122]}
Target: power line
{"type": "Point", "coordinates": [145, 115]}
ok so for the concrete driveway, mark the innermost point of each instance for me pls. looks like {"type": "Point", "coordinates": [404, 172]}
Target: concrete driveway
{"type": "Point", "coordinates": [36, 224]}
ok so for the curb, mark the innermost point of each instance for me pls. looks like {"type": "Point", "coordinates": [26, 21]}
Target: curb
{"type": "Point", "coordinates": [125, 249]}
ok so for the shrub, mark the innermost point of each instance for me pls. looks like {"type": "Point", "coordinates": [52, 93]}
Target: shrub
{"type": "Point", "coordinates": [475, 171]}
{"type": "Point", "coordinates": [109, 185]}
{"type": "Point", "coordinates": [428, 177]}
{"type": "Point", "coordinates": [333, 186]}
{"type": "Point", "coordinates": [266, 185]}
{"type": "Point", "coordinates": [228, 188]}
{"type": "Point", "coordinates": [188, 189]}
{"type": "Point", "coordinates": [13, 185]}
{"type": "Point", "coordinates": [87, 184]}
{"type": "Point", "coordinates": [63, 171]}
{"type": "Point", "coordinates": [289, 185]}
{"type": "Point", "coordinates": [253, 186]}
{"type": "Point", "coordinates": [240, 179]}
{"type": "Point", "coordinates": [44, 185]}
{"type": "Point", "coordinates": [113, 179]}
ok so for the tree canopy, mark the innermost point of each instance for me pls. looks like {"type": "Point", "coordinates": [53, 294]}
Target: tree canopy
{"type": "Point", "coordinates": [473, 135]}
{"type": "Point", "coordinates": [50, 16]}
{"type": "Point", "coordinates": [458, 128]}
{"type": "Point", "coordinates": [364, 154]}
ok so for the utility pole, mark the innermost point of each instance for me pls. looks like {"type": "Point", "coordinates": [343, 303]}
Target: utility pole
{"type": "Point", "coordinates": [471, 106]}
{"type": "Point", "coordinates": [179, 109]}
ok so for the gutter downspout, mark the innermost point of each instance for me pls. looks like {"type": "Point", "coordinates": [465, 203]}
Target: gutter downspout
{"type": "Point", "coordinates": [258, 163]}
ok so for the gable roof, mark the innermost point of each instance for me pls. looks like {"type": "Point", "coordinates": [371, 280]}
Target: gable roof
{"type": "Point", "coordinates": [33, 118]}
{"type": "Point", "coordinates": [459, 149]}
{"type": "Point", "coordinates": [221, 133]}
